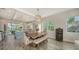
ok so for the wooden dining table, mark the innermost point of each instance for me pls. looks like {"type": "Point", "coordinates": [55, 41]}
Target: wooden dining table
{"type": "Point", "coordinates": [37, 38]}
{"type": "Point", "coordinates": [36, 35]}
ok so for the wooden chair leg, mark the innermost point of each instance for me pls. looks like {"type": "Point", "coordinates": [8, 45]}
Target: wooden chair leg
{"type": "Point", "coordinates": [37, 45]}
{"type": "Point", "coordinates": [47, 40]}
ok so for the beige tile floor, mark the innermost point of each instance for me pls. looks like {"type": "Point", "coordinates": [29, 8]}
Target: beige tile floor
{"type": "Point", "coordinates": [52, 44]}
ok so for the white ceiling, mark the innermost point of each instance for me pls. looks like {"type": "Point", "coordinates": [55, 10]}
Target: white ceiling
{"type": "Point", "coordinates": [12, 14]}
{"type": "Point", "coordinates": [44, 12]}
{"type": "Point", "coordinates": [28, 14]}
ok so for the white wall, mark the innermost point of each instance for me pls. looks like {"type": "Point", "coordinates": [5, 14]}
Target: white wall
{"type": "Point", "coordinates": [60, 20]}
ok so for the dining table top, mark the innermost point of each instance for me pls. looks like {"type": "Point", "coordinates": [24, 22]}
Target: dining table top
{"type": "Point", "coordinates": [36, 35]}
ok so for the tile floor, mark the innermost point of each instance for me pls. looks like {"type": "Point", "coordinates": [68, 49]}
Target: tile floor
{"type": "Point", "coordinates": [52, 44]}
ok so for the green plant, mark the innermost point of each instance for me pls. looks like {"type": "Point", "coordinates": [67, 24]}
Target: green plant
{"type": "Point", "coordinates": [70, 20]}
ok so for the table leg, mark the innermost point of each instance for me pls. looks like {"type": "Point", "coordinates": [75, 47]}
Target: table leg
{"type": "Point", "coordinates": [34, 45]}
{"type": "Point", "coordinates": [46, 41]}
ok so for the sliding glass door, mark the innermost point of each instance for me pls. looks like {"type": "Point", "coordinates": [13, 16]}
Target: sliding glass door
{"type": "Point", "coordinates": [47, 25]}
{"type": "Point", "coordinates": [14, 27]}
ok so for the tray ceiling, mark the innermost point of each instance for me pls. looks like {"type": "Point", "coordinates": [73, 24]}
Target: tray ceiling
{"type": "Point", "coordinates": [28, 14]}
{"type": "Point", "coordinates": [44, 12]}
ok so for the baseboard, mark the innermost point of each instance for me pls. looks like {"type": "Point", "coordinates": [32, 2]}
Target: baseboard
{"type": "Point", "coordinates": [69, 42]}
{"type": "Point", "coordinates": [63, 40]}
{"type": "Point", "coordinates": [50, 38]}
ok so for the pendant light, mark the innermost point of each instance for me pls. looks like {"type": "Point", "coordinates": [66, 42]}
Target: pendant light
{"type": "Point", "coordinates": [38, 17]}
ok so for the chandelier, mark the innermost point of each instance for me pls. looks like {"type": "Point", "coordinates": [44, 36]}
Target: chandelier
{"type": "Point", "coordinates": [38, 17]}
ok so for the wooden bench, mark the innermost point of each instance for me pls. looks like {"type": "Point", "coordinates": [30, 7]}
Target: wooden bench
{"type": "Point", "coordinates": [40, 40]}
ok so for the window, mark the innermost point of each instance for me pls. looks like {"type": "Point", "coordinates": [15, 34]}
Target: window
{"type": "Point", "coordinates": [47, 25]}
{"type": "Point", "coordinates": [14, 27]}
{"type": "Point", "coordinates": [11, 27]}
{"type": "Point", "coordinates": [73, 24]}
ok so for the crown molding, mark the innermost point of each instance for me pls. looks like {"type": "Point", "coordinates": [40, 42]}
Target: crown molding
{"type": "Point", "coordinates": [25, 12]}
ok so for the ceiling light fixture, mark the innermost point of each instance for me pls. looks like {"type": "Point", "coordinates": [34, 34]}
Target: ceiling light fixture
{"type": "Point", "coordinates": [38, 17]}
